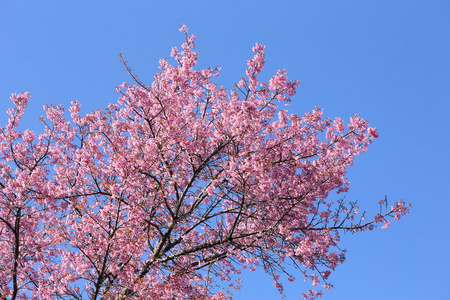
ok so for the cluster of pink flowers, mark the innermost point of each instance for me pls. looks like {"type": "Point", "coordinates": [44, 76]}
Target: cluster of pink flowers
{"type": "Point", "coordinates": [176, 188]}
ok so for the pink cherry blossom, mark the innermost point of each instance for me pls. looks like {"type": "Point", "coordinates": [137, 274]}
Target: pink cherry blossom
{"type": "Point", "coordinates": [175, 189]}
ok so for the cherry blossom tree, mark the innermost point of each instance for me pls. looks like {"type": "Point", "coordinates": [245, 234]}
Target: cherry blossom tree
{"type": "Point", "coordinates": [176, 188]}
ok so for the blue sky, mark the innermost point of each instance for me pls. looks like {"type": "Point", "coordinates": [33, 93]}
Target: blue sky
{"type": "Point", "coordinates": [387, 60]}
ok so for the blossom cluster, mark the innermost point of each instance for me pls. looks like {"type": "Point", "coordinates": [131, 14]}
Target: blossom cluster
{"type": "Point", "coordinates": [175, 189]}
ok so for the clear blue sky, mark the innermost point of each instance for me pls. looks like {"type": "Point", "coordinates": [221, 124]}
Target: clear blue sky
{"type": "Point", "coordinates": [387, 60]}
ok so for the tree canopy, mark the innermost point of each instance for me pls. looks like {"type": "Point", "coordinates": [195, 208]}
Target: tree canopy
{"type": "Point", "coordinates": [178, 186]}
